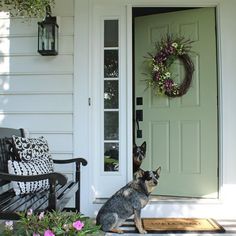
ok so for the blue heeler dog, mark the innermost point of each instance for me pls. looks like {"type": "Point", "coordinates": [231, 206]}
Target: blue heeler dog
{"type": "Point", "coordinates": [128, 201]}
{"type": "Point", "coordinates": [139, 154]}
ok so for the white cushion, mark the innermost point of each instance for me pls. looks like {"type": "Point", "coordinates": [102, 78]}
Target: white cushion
{"type": "Point", "coordinates": [37, 166]}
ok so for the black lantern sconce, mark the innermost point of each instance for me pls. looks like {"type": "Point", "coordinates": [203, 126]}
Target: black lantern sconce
{"type": "Point", "coordinates": [48, 35]}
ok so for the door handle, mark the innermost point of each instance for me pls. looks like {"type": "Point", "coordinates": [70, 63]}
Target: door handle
{"type": "Point", "coordinates": [139, 117]}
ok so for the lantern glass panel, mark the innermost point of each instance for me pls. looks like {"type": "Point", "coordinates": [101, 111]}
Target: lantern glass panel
{"type": "Point", "coordinates": [48, 37]}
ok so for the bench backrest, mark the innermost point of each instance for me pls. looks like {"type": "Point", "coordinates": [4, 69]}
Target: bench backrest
{"type": "Point", "coordinates": [4, 154]}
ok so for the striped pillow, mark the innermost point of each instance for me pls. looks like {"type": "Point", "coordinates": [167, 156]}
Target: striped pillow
{"type": "Point", "coordinates": [43, 165]}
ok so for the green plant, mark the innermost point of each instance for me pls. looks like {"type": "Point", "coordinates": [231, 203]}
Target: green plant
{"type": "Point", "coordinates": [26, 8]}
{"type": "Point", "coordinates": [50, 224]}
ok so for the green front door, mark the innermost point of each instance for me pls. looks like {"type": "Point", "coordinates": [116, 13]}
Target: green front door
{"type": "Point", "coordinates": [181, 133]}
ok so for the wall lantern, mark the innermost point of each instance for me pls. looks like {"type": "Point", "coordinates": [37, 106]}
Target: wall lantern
{"type": "Point", "coordinates": [48, 35]}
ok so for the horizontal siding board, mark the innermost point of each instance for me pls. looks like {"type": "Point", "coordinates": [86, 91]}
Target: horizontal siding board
{"type": "Point", "coordinates": [38, 122]}
{"type": "Point", "coordinates": [66, 25]}
{"type": "Point", "coordinates": [29, 45]}
{"type": "Point", "coordinates": [36, 83]}
{"type": "Point", "coordinates": [36, 103]}
{"type": "Point", "coordinates": [37, 64]}
{"type": "Point", "coordinates": [19, 27]}
{"type": "Point", "coordinates": [61, 156]}
{"type": "Point", "coordinates": [62, 9]}
{"type": "Point", "coordinates": [58, 143]}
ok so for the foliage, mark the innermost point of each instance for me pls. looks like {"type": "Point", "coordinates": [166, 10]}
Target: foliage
{"type": "Point", "coordinates": [26, 8]}
{"type": "Point", "coordinates": [51, 224]}
{"type": "Point", "coordinates": [168, 50]}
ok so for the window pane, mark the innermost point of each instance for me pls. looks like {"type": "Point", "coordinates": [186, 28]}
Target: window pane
{"type": "Point", "coordinates": [111, 157]}
{"type": "Point", "coordinates": [111, 125]}
{"type": "Point", "coordinates": [111, 33]}
{"type": "Point", "coordinates": [111, 63]}
{"type": "Point", "coordinates": [111, 91]}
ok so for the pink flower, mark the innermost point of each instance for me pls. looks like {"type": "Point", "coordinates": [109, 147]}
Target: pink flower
{"type": "Point", "coordinates": [49, 233]}
{"type": "Point", "coordinates": [41, 215]}
{"type": "Point", "coordinates": [9, 225]}
{"type": "Point", "coordinates": [36, 234]}
{"type": "Point", "coordinates": [78, 225]}
{"type": "Point", "coordinates": [30, 212]}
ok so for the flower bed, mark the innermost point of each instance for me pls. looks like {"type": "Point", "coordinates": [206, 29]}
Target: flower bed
{"type": "Point", "coordinates": [50, 224]}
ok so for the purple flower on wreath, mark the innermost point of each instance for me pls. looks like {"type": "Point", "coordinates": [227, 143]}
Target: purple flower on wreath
{"type": "Point", "coordinates": [78, 225]}
{"type": "Point", "coordinates": [169, 49]}
{"type": "Point", "coordinates": [160, 57]}
{"type": "Point", "coordinates": [157, 76]}
{"type": "Point", "coordinates": [168, 83]}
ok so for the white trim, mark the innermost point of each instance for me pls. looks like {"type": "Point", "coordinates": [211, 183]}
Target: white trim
{"type": "Point", "coordinates": [220, 101]}
{"type": "Point", "coordinates": [81, 93]}
{"type": "Point", "coordinates": [129, 89]}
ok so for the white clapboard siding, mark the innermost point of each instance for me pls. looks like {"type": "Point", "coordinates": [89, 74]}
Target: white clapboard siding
{"type": "Point", "coordinates": [13, 27]}
{"type": "Point", "coordinates": [37, 103]}
{"type": "Point", "coordinates": [63, 8]}
{"type": "Point", "coordinates": [44, 123]}
{"type": "Point", "coordinates": [58, 142]}
{"type": "Point", "coordinates": [36, 92]}
{"type": "Point", "coordinates": [15, 84]}
{"type": "Point", "coordinates": [61, 156]}
{"type": "Point", "coordinates": [28, 45]}
{"type": "Point", "coordinates": [37, 64]}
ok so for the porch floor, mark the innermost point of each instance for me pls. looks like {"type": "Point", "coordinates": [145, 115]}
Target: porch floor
{"type": "Point", "coordinates": [228, 224]}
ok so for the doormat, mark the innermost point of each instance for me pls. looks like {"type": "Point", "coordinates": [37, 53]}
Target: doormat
{"type": "Point", "coordinates": [181, 225]}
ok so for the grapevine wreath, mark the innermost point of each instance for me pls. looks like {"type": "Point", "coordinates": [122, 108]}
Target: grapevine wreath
{"type": "Point", "coordinates": [168, 50]}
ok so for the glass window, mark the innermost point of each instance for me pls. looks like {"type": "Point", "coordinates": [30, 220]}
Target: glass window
{"type": "Point", "coordinates": [111, 157]}
{"type": "Point", "coordinates": [111, 66]}
{"type": "Point", "coordinates": [111, 33]}
{"type": "Point", "coordinates": [111, 125]}
{"type": "Point", "coordinates": [111, 95]}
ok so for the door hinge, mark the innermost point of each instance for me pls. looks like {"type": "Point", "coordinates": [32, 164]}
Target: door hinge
{"type": "Point", "coordinates": [89, 101]}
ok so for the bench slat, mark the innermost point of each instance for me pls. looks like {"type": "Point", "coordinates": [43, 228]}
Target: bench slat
{"type": "Point", "coordinates": [38, 201]}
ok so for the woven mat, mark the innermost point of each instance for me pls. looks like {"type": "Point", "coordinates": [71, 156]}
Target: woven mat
{"type": "Point", "coordinates": [181, 225]}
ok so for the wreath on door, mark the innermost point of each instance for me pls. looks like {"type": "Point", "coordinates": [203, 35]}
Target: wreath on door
{"type": "Point", "coordinates": [168, 50]}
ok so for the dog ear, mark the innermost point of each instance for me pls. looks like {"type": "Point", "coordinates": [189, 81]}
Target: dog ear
{"type": "Point", "coordinates": [158, 171]}
{"type": "Point", "coordinates": [144, 145]}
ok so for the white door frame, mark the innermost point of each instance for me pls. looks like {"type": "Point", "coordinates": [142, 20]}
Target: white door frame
{"type": "Point", "coordinates": [82, 74]}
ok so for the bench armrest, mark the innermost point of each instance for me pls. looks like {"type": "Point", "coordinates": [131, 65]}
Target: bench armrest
{"type": "Point", "coordinates": [66, 161]}
{"type": "Point", "coordinates": [52, 177]}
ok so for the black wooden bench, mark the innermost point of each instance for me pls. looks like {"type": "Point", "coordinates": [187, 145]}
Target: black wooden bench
{"type": "Point", "coordinates": [58, 195]}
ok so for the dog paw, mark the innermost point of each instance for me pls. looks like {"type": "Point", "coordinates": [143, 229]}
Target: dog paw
{"type": "Point", "coordinates": [142, 231]}
{"type": "Point", "coordinates": [118, 231]}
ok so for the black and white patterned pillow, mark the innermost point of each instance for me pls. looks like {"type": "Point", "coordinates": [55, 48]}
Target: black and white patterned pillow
{"type": "Point", "coordinates": [43, 165]}
{"type": "Point", "coordinates": [27, 149]}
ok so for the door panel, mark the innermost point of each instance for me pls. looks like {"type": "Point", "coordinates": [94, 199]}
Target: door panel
{"type": "Point", "coordinates": [181, 133]}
